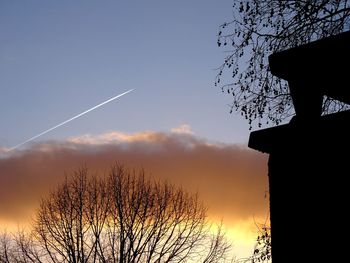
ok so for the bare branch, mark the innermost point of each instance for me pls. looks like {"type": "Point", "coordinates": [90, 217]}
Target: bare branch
{"type": "Point", "coordinates": [260, 28]}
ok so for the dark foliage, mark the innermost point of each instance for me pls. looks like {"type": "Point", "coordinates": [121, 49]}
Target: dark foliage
{"type": "Point", "coordinates": [262, 27]}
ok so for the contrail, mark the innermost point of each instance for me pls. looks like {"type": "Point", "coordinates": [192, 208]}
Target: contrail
{"type": "Point", "coordinates": [69, 120]}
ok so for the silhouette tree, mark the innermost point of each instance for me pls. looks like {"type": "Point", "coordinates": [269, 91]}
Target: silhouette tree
{"type": "Point", "coordinates": [121, 218]}
{"type": "Point", "coordinates": [19, 248]}
{"type": "Point", "coordinates": [5, 248]}
{"type": "Point", "coordinates": [262, 248]}
{"type": "Point", "coordinates": [261, 27]}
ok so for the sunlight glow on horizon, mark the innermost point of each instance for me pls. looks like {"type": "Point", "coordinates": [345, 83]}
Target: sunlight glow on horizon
{"type": "Point", "coordinates": [239, 234]}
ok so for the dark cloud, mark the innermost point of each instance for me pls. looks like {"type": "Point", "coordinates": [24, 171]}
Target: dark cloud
{"type": "Point", "coordinates": [230, 179]}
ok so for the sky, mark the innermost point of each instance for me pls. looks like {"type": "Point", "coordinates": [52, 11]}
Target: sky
{"type": "Point", "coordinates": [60, 58]}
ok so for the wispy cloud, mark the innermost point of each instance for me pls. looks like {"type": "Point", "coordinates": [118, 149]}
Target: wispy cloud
{"type": "Point", "coordinates": [4, 152]}
{"type": "Point", "coordinates": [184, 129]}
{"type": "Point", "coordinates": [116, 138]}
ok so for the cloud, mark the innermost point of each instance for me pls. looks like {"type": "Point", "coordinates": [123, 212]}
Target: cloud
{"type": "Point", "coordinates": [230, 179]}
{"type": "Point", "coordinates": [3, 151]}
{"type": "Point", "coordinates": [184, 128]}
{"type": "Point", "coordinates": [115, 138]}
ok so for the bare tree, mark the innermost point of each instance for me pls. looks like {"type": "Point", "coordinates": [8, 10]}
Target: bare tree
{"type": "Point", "coordinates": [18, 248]}
{"type": "Point", "coordinates": [124, 217]}
{"type": "Point", "coordinates": [61, 227]}
{"type": "Point", "coordinates": [261, 27]}
{"type": "Point", "coordinates": [6, 250]}
{"type": "Point", "coordinates": [218, 248]}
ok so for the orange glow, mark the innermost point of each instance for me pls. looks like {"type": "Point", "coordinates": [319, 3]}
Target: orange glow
{"type": "Point", "coordinates": [230, 179]}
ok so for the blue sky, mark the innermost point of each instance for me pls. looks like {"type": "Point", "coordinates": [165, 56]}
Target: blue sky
{"type": "Point", "coordinates": [59, 58]}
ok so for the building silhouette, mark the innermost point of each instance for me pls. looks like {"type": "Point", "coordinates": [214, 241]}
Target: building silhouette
{"type": "Point", "coordinates": [309, 158]}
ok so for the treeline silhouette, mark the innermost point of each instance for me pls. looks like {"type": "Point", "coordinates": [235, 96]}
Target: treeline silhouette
{"type": "Point", "coordinates": [122, 217]}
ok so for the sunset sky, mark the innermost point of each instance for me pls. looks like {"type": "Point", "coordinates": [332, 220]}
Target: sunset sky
{"type": "Point", "coordinates": [60, 58]}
